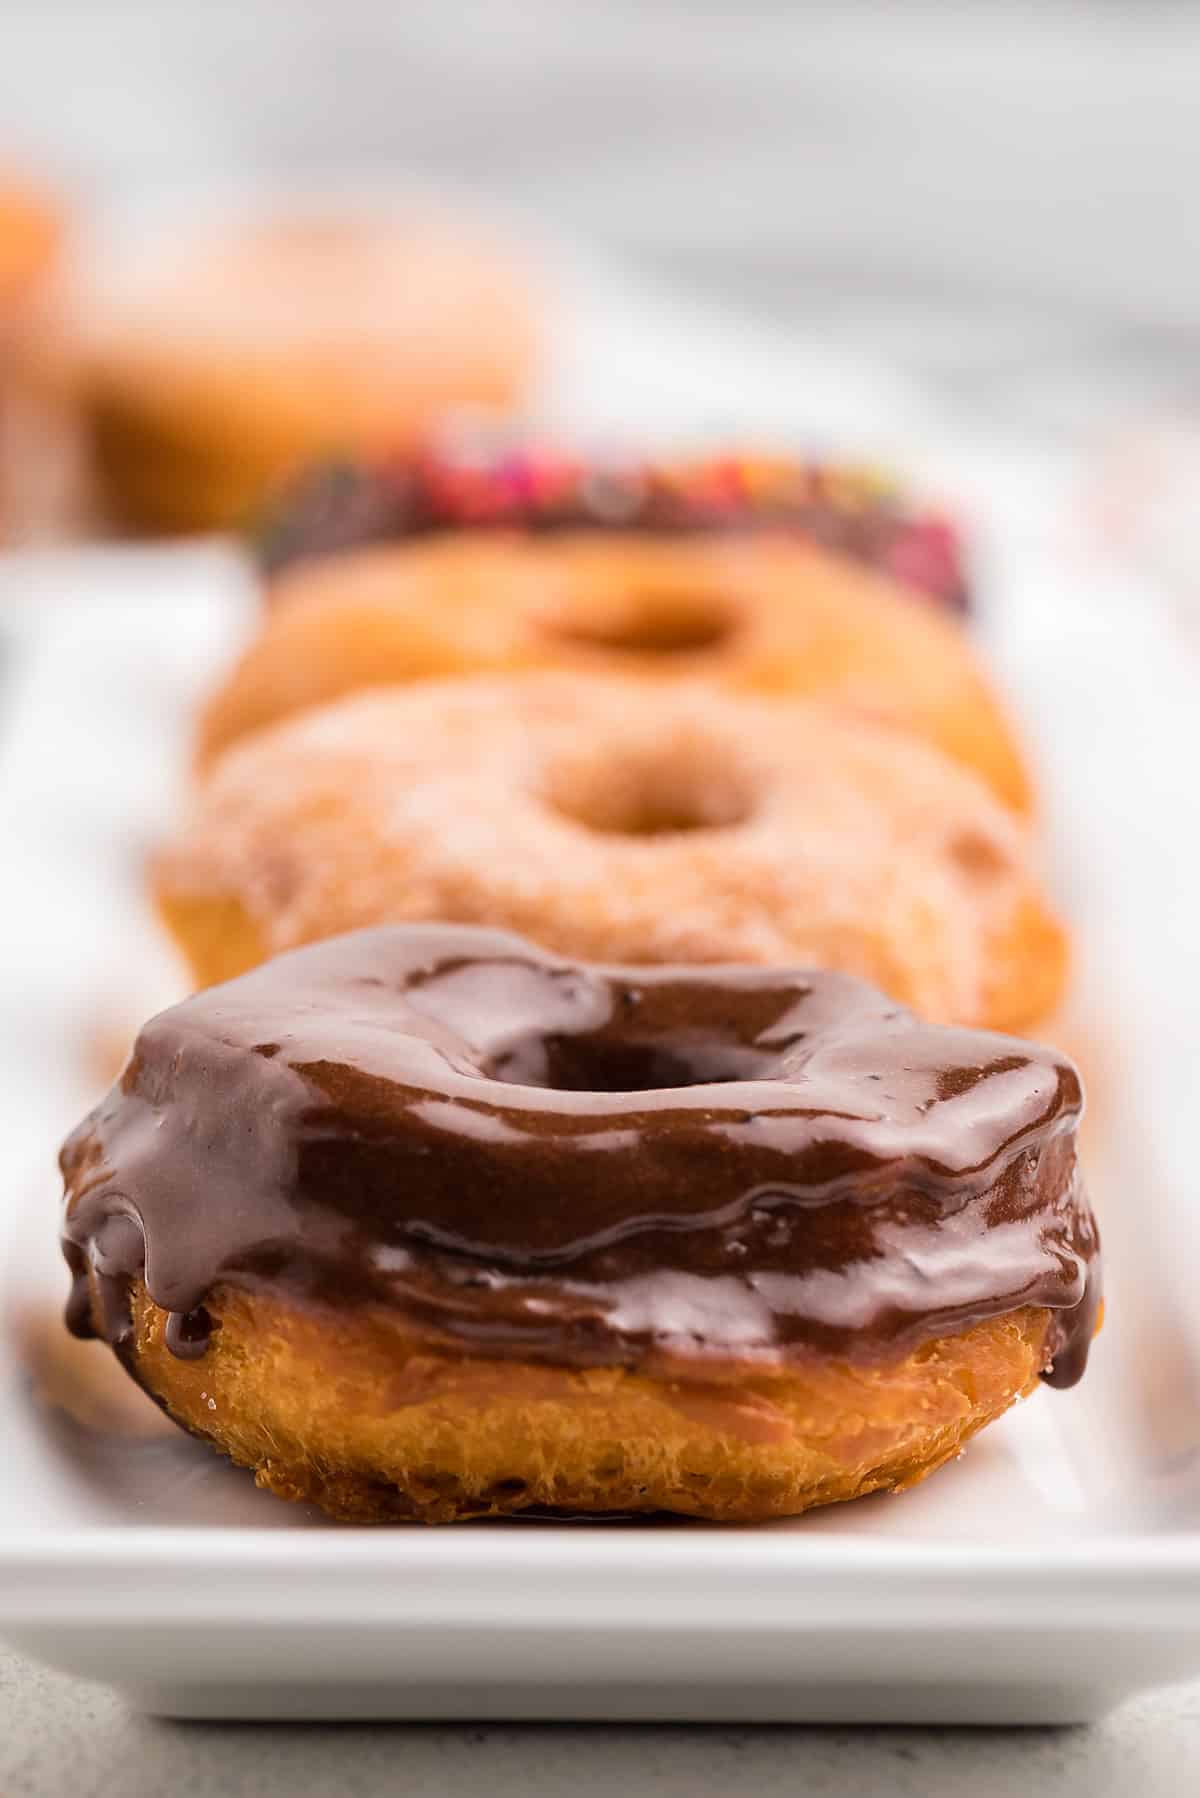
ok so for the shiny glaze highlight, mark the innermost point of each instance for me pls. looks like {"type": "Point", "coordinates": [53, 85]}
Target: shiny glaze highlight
{"type": "Point", "coordinates": [579, 1164]}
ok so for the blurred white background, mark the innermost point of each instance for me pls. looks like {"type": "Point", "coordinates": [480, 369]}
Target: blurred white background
{"type": "Point", "coordinates": [995, 193]}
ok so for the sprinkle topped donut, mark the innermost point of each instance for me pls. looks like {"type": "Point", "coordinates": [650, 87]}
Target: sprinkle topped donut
{"type": "Point", "coordinates": [515, 1175]}
{"type": "Point", "coordinates": [531, 487]}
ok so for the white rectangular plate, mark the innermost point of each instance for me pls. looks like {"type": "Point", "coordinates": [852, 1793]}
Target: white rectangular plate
{"type": "Point", "coordinates": [1051, 1572]}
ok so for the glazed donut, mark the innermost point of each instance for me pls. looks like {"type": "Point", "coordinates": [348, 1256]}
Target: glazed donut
{"type": "Point", "coordinates": [208, 382]}
{"type": "Point", "coordinates": [758, 613]}
{"type": "Point", "coordinates": [472, 483]}
{"type": "Point", "coordinates": [620, 820]}
{"type": "Point", "coordinates": [427, 1223]}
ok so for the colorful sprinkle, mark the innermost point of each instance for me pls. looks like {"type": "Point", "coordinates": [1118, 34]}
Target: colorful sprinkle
{"type": "Point", "coordinates": [856, 509]}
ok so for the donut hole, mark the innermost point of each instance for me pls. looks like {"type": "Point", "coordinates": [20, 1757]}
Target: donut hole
{"type": "Point", "coordinates": [603, 1063]}
{"type": "Point", "coordinates": [653, 618]}
{"type": "Point", "coordinates": [654, 791]}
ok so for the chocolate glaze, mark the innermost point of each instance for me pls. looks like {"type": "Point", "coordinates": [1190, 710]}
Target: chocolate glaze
{"type": "Point", "coordinates": [583, 1164]}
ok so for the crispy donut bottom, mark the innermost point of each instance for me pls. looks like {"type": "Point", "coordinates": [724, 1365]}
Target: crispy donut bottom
{"type": "Point", "coordinates": [358, 1413]}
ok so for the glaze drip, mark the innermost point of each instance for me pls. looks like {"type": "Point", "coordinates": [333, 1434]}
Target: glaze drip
{"type": "Point", "coordinates": [581, 1164]}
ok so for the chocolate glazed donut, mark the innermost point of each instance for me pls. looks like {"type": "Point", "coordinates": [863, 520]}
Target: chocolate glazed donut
{"type": "Point", "coordinates": [426, 1222]}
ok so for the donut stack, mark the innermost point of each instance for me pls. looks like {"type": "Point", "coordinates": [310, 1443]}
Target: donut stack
{"type": "Point", "coordinates": [605, 888]}
{"type": "Point", "coordinates": [631, 742]}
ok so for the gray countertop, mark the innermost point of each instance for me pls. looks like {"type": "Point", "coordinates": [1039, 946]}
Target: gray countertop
{"type": "Point", "coordinates": [60, 1736]}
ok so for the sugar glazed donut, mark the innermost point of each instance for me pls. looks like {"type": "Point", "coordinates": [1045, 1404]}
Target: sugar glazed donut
{"type": "Point", "coordinates": [427, 1223]}
{"type": "Point", "coordinates": [620, 820]}
{"type": "Point", "coordinates": [748, 612]}
{"type": "Point", "coordinates": [209, 380]}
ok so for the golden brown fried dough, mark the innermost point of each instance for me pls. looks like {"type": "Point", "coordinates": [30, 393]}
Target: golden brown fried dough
{"type": "Point", "coordinates": [354, 1413]}
{"type": "Point", "coordinates": [207, 384]}
{"type": "Point", "coordinates": [758, 614]}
